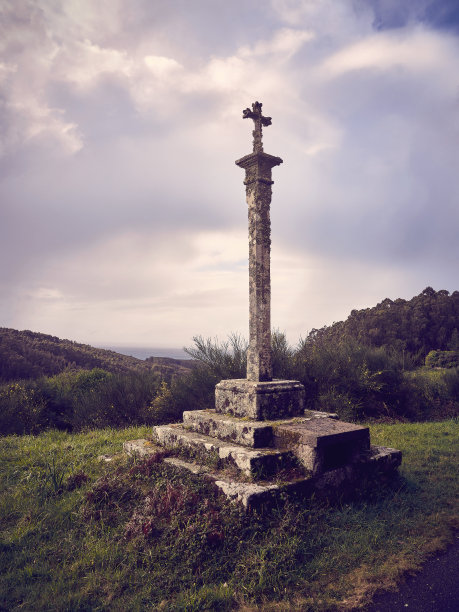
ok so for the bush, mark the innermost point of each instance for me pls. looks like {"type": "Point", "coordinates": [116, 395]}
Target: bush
{"type": "Point", "coordinates": [76, 400]}
{"type": "Point", "coordinates": [442, 359]}
{"type": "Point", "coordinates": [64, 393]}
{"type": "Point", "coordinates": [433, 394]}
{"type": "Point", "coordinates": [118, 401]}
{"type": "Point", "coordinates": [354, 380]}
{"type": "Point", "coordinates": [21, 408]}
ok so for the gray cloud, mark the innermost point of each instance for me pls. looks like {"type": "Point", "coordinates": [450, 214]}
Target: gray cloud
{"type": "Point", "coordinates": [120, 123]}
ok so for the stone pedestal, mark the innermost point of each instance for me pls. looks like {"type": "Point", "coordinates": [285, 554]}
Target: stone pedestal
{"type": "Point", "coordinates": [261, 401]}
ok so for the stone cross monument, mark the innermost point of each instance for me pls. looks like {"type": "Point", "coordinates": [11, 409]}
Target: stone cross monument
{"type": "Point", "coordinates": [251, 428]}
{"type": "Point", "coordinates": [258, 183]}
{"type": "Point", "coordinates": [259, 396]}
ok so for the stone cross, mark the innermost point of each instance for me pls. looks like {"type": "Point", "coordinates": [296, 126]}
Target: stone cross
{"type": "Point", "coordinates": [258, 183]}
{"type": "Point", "coordinates": [259, 121]}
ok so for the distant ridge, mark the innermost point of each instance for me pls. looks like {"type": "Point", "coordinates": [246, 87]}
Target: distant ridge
{"type": "Point", "coordinates": [27, 354]}
{"type": "Point", "coordinates": [142, 352]}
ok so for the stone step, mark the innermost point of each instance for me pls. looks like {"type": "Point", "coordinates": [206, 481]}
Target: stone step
{"type": "Point", "coordinates": [321, 444]}
{"type": "Point", "coordinates": [254, 434]}
{"type": "Point", "coordinates": [258, 464]}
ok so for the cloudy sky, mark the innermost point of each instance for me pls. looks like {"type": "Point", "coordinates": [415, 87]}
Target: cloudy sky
{"type": "Point", "coordinates": [123, 217]}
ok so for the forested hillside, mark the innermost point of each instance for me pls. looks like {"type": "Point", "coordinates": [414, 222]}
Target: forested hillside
{"type": "Point", "coordinates": [429, 321]}
{"type": "Point", "coordinates": [371, 366]}
{"type": "Point", "coordinates": [27, 354]}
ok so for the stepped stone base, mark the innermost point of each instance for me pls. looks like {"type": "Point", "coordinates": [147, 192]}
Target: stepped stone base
{"type": "Point", "coordinates": [255, 463]}
{"type": "Point", "coordinates": [275, 399]}
{"type": "Point", "coordinates": [319, 443]}
{"type": "Point", "coordinates": [259, 446]}
{"type": "Point", "coordinates": [378, 460]}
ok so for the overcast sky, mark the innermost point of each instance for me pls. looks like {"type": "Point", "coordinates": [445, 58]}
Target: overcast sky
{"type": "Point", "coordinates": [123, 215]}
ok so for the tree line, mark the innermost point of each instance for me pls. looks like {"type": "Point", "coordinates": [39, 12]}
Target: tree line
{"type": "Point", "coordinates": [427, 322]}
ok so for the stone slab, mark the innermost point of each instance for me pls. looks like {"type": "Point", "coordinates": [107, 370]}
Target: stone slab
{"type": "Point", "coordinates": [254, 434]}
{"type": "Point", "coordinates": [319, 432]}
{"type": "Point", "coordinates": [140, 448]}
{"type": "Point", "coordinates": [322, 444]}
{"type": "Point", "coordinates": [256, 463]}
{"type": "Point", "coordinates": [267, 400]}
{"type": "Point", "coordinates": [384, 458]}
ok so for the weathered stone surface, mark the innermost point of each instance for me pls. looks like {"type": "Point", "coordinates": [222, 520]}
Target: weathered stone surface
{"type": "Point", "coordinates": [260, 401]}
{"type": "Point", "coordinates": [320, 414]}
{"type": "Point", "coordinates": [383, 458]}
{"type": "Point", "coordinates": [259, 425]}
{"type": "Point", "coordinates": [254, 434]}
{"type": "Point", "coordinates": [194, 468]}
{"type": "Point", "coordinates": [140, 447]}
{"type": "Point", "coordinates": [106, 458]}
{"type": "Point", "coordinates": [256, 463]}
{"type": "Point", "coordinates": [323, 444]}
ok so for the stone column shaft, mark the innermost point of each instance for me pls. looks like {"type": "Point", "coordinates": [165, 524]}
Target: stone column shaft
{"type": "Point", "coordinates": [258, 192]}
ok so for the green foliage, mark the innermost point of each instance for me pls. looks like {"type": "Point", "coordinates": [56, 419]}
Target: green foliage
{"type": "Point", "coordinates": [55, 474]}
{"type": "Point", "coordinates": [139, 535]}
{"type": "Point", "coordinates": [442, 359]}
{"type": "Point", "coordinates": [163, 407]}
{"type": "Point", "coordinates": [354, 380]}
{"type": "Point", "coordinates": [21, 408]}
{"type": "Point", "coordinates": [429, 321]}
{"type": "Point", "coordinates": [222, 359]}
{"type": "Point", "coordinates": [78, 400]}
{"type": "Point", "coordinates": [357, 368]}
{"type": "Point", "coordinates": [433, 394]}
{"type": "Point", "coordinates": [118, 401]}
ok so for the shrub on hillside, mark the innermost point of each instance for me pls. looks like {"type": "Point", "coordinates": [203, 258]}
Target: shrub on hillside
{"type": "Point", "coordinates": [21, 408]}
{"type": "Point", "coordinates": [442, 359]}
{"type": "Point", "coordinates": [76, 400]}
{"type": "Point", "coordinates": [118, 401]}
{"type": "Point", "coordinates": [433, 394]}
{"type": "Point", "coordinates": [354, 380]}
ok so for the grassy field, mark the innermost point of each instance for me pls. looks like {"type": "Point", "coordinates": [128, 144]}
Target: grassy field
{"type": "Point", "coordinates": [78, 533]}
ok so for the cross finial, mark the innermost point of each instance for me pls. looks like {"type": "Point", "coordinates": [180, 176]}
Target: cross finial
{"type": "Point", "coordinates": [259, 121]}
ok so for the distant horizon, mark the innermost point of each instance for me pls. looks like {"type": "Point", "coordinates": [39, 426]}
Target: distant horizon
{"type": "Point", "coordinates": [142, 352]}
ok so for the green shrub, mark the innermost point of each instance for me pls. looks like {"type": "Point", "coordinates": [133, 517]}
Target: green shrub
{"type": "Point", "coordinates": [21, 408]}
{"type": "Point", "coordinates": [75, 400]}
{"type": "Point", "coordinates": [117, 401]}
{"type": "Point", "coordinates": [222, 359]}
{"type": "Point", "coordinates": [352, 379]}
{"type": "Point", "coordinates": [63, 394]}
{"type": "Point", "coordinates": [442, 359]}
{"type": "Point", "coordinates": [433, 394]}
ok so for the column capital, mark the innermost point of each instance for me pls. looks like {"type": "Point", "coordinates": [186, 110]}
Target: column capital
{"type": "Point", "coordinates": [261, 159]}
